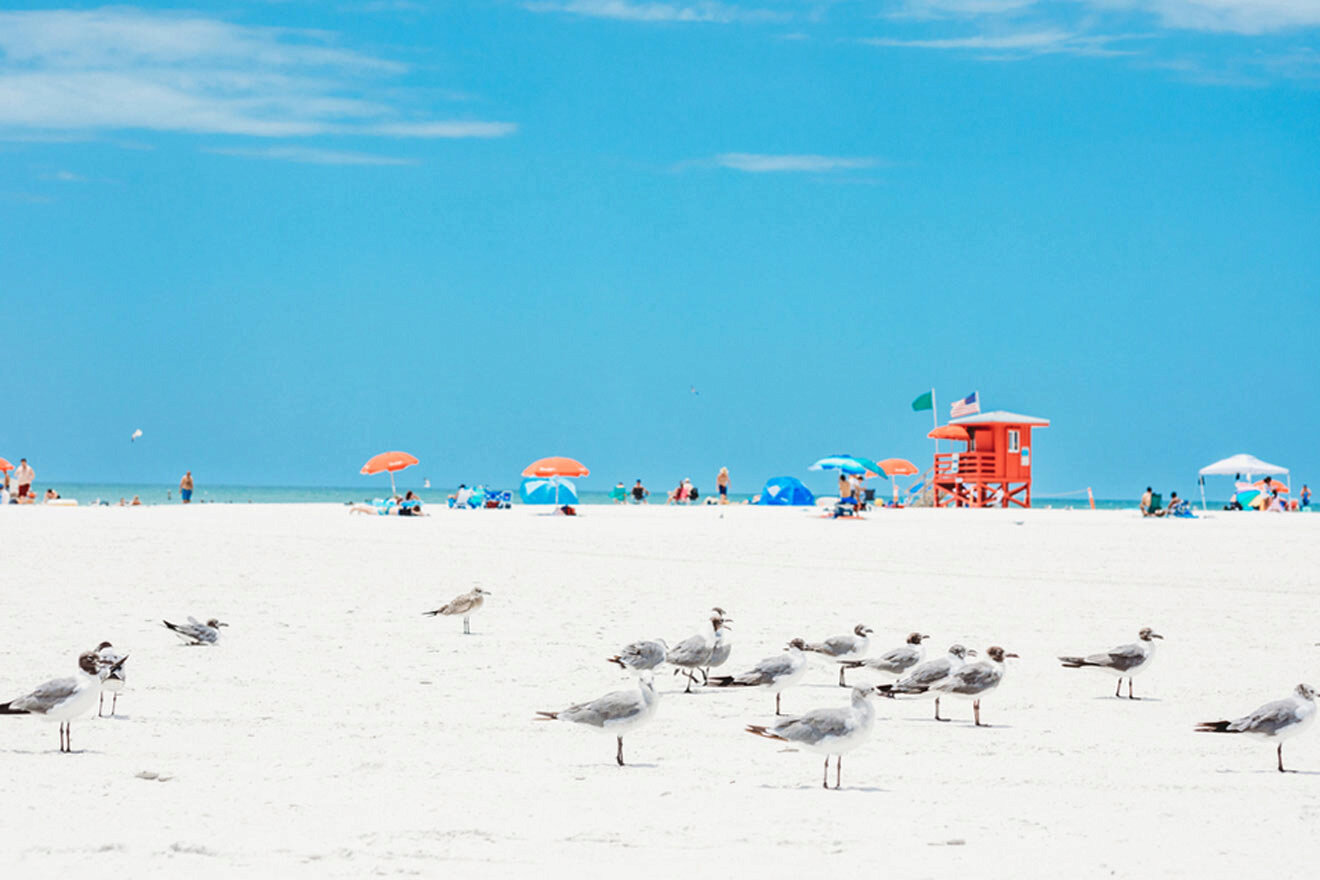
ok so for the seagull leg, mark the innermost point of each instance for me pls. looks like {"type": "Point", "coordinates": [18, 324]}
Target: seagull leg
{"type": "Point", "coordinates": [1118, 687]}
{"type": "Point", "coordinates": [841, 670]}
{"type": "Point", "coordinates": [100, 706]}
{"type": "Point", "coordinates": [1281, 770]}
{"type": "Point", "coordinates": [688, 689]}
{"type": "Point", "coordinates": [976, 712]}
{"type": "Point", "coordinates": [937, 710]}
{"type": "Point", "coordinates": [838, 770]}
{"type": "Point", "coordinates": [467, 629]}
{"type": "Point", "coordinates": [1130, 697]}
{"type": "Point", "coordinates": [777, 712]}
{"type": "Point", "coordinates": [619, 756]}
{"type": "Point", "coordinates": [114, 704]}
{"type": "Point", "coordinates": [825, 780]}
{"type": "Point", "coordinates": [705, 675]}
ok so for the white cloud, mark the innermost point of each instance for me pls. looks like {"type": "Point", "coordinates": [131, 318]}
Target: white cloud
{"type": "Point", "coordinates": [624, 10]}
{"type": "Point", "coordinates": [123, 68]}
{"type": "Point", "coordinates": [310, 156]}
{"type": "Point", "coordinates": [1237, 16]}
{"type": "Point", "coordinates": [1011, 45]}
{"type": "Point", "coordinates": [762, 163]}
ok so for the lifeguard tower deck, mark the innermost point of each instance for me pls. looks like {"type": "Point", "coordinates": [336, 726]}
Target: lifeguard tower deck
{"type": "Point", "coordinates": [995, 468]}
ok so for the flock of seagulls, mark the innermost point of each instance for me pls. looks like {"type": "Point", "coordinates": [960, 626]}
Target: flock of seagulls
{"type": "Point", "coordinates": [100, 672]}
{"type": "Point", "coordinates": [831, 731]}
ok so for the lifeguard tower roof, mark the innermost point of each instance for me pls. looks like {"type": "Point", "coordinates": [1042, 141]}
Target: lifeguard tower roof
{"type": "Point", "coordinates": [1001, 417]}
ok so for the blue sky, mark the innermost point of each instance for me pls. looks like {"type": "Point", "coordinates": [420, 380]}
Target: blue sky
{"type": "Point", "coordinates": [282, 236]}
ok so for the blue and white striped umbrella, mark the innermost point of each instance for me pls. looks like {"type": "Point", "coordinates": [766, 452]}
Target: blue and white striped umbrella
{"type": "Point", "coordinates": [848, 464]}
{"type": "Point", "coordinates": [548, 490]}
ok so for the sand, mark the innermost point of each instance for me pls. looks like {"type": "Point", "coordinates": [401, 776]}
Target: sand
{"type": "Point", "coordinates": [337, 732]}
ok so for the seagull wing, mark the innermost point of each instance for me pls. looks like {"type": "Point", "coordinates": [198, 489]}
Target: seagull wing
{"type": "Point", "coordinates": [1268, 720]}
{"type": "Point", "coordinates": [1122, 658]}
{"type": "Point", "coordinates": [47, 696]}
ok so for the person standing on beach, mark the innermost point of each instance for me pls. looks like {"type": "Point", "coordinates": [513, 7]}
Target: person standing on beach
{"type": "Point", "coordinates": [1306, 496]}
{"type": "Point", "coordinates": [1145, 502]}
{"type": "Point", "coordinates": [23, 477]}
{"type": "Point", "coordinates": [186, 488]}
{"type": "Point", "coordinates": [723, 482]}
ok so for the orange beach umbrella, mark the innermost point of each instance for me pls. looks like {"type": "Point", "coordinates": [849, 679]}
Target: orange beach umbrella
{"type": "Point", "coordinates": [5, 466]}
{"type": "Point", "coordinates": [556, 466]}
{"type": "Point", "coordinates": [898, 467]}
{"type": "Point", "coordinates": [949, 432]}
{"type": "Point", "coordinates": [389, 461]}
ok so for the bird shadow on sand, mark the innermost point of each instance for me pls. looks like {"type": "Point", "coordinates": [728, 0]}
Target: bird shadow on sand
{"type": "Point", "coordinates": [806, 787]}
{"type": "Point", "coordinates": [1271, 772]}
{"type": "Point", "coordinates": [1126, 700]}
{"type": "Point", "coordinates": [629, 766]}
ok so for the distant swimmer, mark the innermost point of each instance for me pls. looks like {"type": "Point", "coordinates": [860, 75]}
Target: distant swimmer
{"type": "Point", "coordinates": [467, 605]}
{"type": "Point", "coordinates": [1124, 661]}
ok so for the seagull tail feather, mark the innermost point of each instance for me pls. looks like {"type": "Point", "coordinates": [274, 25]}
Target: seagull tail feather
{"type": "Point", "coordinates": [762, 730]}
{"type": "Point", "coordinates": [547, 716]}
{"type": "Point", "coordinates": [1214, 727]}
{"type": "Point", "coordinates": [617, 659]}
{"type": "Point", "coordinates": [5, 709]}
{"type": "Point", "coordinates": [1075, 662]}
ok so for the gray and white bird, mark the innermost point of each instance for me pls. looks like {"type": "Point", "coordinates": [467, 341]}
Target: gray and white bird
{"type": "Point", "coordinates": [926, 675]}
{"type": "Point", "coordinates": [693, 653]}
{"type": "Point", "coordinates": [832, 731]}
{"type": "Point", "coordinates": [615, 713]}
{"type": "Point", "coordinates": [195, 633]}
{"type": "Point", "coordinates": [844, 648]}
{"type": "Point", "coordinates": [1279, 720]}
{"type": "Point", "coordinates": [975, 680]}
{"type": "Point", "coordinates": [776, 674]}
{"type": "Point", "coordinates": [895, 662]}
{"type": "Point", "coordinates": [62, 699]}
{"type": "Point", "coordinates": [111, 672]}
{"type": "Point", "coordinates": [1124, 661]}
{"type": "Point", "coordinates": [467, 605]}
{"type": "Point", "coordinates": [641, 656]}
{"type": "Point", "coordinates": [719, 652]}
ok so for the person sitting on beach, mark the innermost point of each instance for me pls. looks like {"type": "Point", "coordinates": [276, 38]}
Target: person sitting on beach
{"type": "Point", "coordinates": [1177, 506]}
{"type": "Point", "coordinates": [51, 495]}
{"type": "Point", "coordinates": [411, 505]}
{"type": "Point", "coordinates": [1276, 503]}
{"type": "Point", "coordinates": [693, 494]}
{"type": "Point", "coordinates": [639, 492]}
{"type": "Point", "coordinates": [619, 494]}
{"type": "Point", "coordinates": [29, 498]}
{"type": "Point", "coordinates": [1145, 502]}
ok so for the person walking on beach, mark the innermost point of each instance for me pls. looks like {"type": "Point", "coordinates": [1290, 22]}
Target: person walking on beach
{"type": "Point", "coordinates": [23, 477]}
{"type": "Point", "coordinates": [186, 488]}
{"type": "Point", "coordinates": [1306, 496]}
{"type": "Point", "coordinates": [723, 482]}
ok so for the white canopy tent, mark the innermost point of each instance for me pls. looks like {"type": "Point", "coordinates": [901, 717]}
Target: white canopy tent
{"type": "Point", "coordinates": [1246, 465]}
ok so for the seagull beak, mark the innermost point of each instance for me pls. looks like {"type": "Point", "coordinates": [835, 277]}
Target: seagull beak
{"type": "Point", "coordinates": [972, 652]}
{"type": "Point", "coordinates": [221, 624]}
{"type": "Point", "coordinates": [923, 638]}
{"type": "Point", "coordinates": [1006, 656]}
{"type": "Point", "coordinates": [1156, 636]}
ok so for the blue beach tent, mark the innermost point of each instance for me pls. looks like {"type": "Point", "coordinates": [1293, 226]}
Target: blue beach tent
{"type": "Point", "coordinates": [783, 491]}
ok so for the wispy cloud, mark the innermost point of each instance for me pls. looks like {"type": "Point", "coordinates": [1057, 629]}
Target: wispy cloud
{"type": "Point", "coordinates": [1010, 45]}
{"type": "Point", "coordinates": [309, 155]}
{"type": "Point", "coordinates": [123, 68]}
{"type": "Point", "coordinates": [767, 163]}
{"type": "Point", "coordinates": [1234, 16]}
{"type": "Point", "coordinates": [623, 10]}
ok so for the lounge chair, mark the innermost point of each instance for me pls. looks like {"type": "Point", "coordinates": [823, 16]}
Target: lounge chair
{"type": "Point", "coordinates": [1156, 507]}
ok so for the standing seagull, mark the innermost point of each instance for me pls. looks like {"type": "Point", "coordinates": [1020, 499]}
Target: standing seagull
{"type": "Point", "coordinates": [617, 712]}
{"type": "Point", "coordinates": [975, 680]}
{"type": "Point", "coordinates": [776, 674]}
{"type": "Point", "coordinates": [194, 633]}
{"type": "Point", "coordinates": [929, 674]}
{"type": "Point", "coordinates": [1279, 720]}
{"type": "Point", "coordinates": [693, 652]}
{"type": "Point", "coordinates": [641, 656]}
{"type": "Point", "coordinates": [467, 605]}
{"type": "Point", "coordinates": [110, 665]}
{"type": "Point", "coordinates": [897, 661]}
{"type": "Point", "coordinates": [827, 731]}
{"type": "Point", "coordinates": [723, 646]}
{"type": "Point", "coordinates": [62, 699]}
{"type": "Point", "coordinates": [1124, 661]}
{"type": "Point", "coordinates": [842, 648]}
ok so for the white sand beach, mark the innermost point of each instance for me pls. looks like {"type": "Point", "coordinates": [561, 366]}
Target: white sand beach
{"type": "Point", "coordinates": [335, 731]}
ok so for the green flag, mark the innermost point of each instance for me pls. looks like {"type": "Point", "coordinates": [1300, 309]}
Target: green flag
{"type": "Point", "coordinates": [923, 402]}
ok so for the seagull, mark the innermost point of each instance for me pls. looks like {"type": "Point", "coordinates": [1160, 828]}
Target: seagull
{"type": "Point", "coordinates": [1123, 661]}
{"type": "Point", "coordinates": [828, 731]}
{"type": "Point", "coordinates": [841, 648]}
{"type": "Point", "coordinates": [111, 673]}
{"type": "Point", "coordinates": [641, 656]}
{"type": "Point", "coordinates": [467, 605]}
{"type": "Point", "coordinates": [975, 680]}
{"type": "Point", "coordinates": [62, 699]}
{"type": "Point", "coordinates": [929, 674]}
{"type": "Point", "coordinates": [897, 661]}
{"type": "Point", "coordinates": [1279, 720]}
{"type": "Point", "coordinates": [777, 674]}
{"type": "Point", "coordinates": [136, 434]}
{"type": "Point", "coordinates": [194, 633]}
{"type": "Point", "coordinates": [618, 712]}
{"type": "Point", "coordinates": [723, 646]}
{"type": "Point", "coordinates": [694, 652]}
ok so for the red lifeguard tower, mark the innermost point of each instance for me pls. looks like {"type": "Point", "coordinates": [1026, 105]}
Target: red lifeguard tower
{"type": "Point", "coordinates": [995, 469]}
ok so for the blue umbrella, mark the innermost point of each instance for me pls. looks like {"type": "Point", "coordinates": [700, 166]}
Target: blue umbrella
{"type": "Point", "coordinates": [548, 490]}
{"type": "Point", "coordinates": [849, 464]}
{"type": "Point", "coordinates": [783, 491]}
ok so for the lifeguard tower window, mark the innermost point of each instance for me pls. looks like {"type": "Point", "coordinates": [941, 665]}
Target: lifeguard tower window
{"type": "Point", "coordinates": [1013, 441]}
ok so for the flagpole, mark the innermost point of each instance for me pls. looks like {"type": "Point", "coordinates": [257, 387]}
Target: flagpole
{"type": "Point", "coordinates": [935, 418]}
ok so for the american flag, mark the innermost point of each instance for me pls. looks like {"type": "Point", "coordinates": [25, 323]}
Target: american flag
{"type": "Point", "coordinates": [968, 406]}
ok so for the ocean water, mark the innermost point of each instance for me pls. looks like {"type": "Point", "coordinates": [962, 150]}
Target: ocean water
{"type": "Point", "coordinates": [89, 493]}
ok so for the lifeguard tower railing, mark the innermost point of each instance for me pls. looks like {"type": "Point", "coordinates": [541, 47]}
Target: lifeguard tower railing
{"type": "Point", "coordinates": [968, 465]}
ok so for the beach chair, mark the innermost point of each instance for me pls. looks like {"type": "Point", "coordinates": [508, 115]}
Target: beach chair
{"type": "Point", "coordinates": [1156, 504]}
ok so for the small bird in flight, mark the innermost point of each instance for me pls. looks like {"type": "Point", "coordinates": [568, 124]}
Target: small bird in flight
{"type": "Point", "coordinates": [136, 434]}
